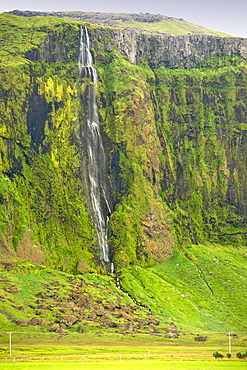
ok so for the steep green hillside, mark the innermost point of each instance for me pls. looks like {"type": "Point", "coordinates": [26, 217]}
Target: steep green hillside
{"type": "Point", "coordinates": [34, 298]}
{"type": "Point", "coordinates": [175, 143]}
{"type": "Point", "coordinates": [201, 287]}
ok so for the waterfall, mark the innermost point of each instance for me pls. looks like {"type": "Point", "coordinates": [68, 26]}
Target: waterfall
{"type": "Point", "coordinates": [92, 139]}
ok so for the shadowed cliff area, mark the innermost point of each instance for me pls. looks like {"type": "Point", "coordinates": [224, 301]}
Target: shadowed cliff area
{"type": "Point", "coordinates": [172, 114]}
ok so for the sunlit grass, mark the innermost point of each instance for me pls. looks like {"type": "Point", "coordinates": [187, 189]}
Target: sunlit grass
{"type": "Point", "coordinates": [173, 27]}
{"type": "Point", "coordinates": [121, 364]}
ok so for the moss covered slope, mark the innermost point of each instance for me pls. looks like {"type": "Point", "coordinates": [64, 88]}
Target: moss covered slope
{"type": "Point", "coordinates": [175, 141]}
{"type": "Point", "coordinates": [43, 215]}
{"type": "Point", "coordinates": [181, 138]}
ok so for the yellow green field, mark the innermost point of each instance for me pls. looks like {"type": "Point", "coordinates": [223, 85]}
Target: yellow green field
{"type": "Point", "coordinates": [132, 364]}
{"type": "Point", "coordinates": [87, 351]}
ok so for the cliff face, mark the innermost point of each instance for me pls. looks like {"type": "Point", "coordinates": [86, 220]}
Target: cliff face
{"type": "Point", "coordinates": [173, 51]}
{"type": "Point", "coordinates": [139, 47]}
{"type": "Point", "coordinates": [175, 141]}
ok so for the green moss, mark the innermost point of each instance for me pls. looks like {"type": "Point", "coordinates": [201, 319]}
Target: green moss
{"type": "Point", "coordinates": [175, 144]}
{"type": "Point", "coordinates": [171, 130]}
{"type": "Point", "coordinates": [198, 122]}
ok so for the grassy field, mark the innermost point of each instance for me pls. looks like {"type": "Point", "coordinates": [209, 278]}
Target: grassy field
{"type": "Point", "coordinates": [141, 364]}
{"type": "Point", "coordinates": [173, 27]}
{"type": "Point", "coordinates": [198, 293]}
{"type": "Point", "coordinates": [116, 352]}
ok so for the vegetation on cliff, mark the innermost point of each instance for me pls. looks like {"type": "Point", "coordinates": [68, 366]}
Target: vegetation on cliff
{"type": "Point", "coordinates": [175, 141]}
{"type": "Point", "coordinates": [42, 199]}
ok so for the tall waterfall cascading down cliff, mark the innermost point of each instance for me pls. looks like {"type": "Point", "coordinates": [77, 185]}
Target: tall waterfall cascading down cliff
{"type": "Point", "coordinates": [96, 162]}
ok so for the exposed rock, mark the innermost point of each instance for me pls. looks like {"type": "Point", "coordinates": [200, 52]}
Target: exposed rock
{"type": "Point", "coordinates": [61, 332]}
{"type": "Point", "coordinates": [152, 327]}
{"type": "Point", "coordinates": [75, 295]}
{"type": "Point", "coordinates": [112, 305]}
{"type": "Point", "coordinates": [76, 309]}
{"type": "Point", "coordinates": [42, 307]}
{"type": "Point", "coordinates": [9, 316]}
{"type": "Point", "coordinates": [100, 311]}
{"type": "Point", "coordinates": [83, 301]}
{"type": "Point", "coordinates": [80, 329]}
{"type": "Point", "coordinates": [97, 17]}
{"type": "Point", "coordinates": [39, 295]}
{"type": "Point", "coordinates": [55, 283]}
{"type": "Point", "coordinates": [53, 49]}
{"type": "Point", "coordinates": [243, 51]}
{"type": "Point", "coordinates": [21, 323]}
{"type": "Point", "coordinates": [131, 327]}
{"type": "Point", "coordinates": [7, 266]}
{"type": "Point", "coordinates": [82, 267]}
{"type": "Point", "coordinates": [69, 320]}
{"type": "Point", "coordinates": [34, 321]}
{"type": "Point", "coordinates": [92, 316]}
{"type": "Point", "coordinates": [110, 324]}
{"type": "Point", "coordinates": [40, 313]}
{"type": "Point", "coordinates": [125, 316]}
{"type": "Point", "coordinates": [69, 305]}
{"type": "Point", "coordinates": [201, 338]}
{"type": "Point", "coordinates": [19, 308]}
{"type": "Point", "coordinates": [55, 327]}
{"type": "Point", "coordinates": [172, 51]}
{"type": "Point", "coordinates": [171, 335]}
{"type": "Point", "coordinates": [140, 46]}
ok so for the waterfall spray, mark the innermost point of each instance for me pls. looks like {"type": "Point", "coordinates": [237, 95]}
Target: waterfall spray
{"type": "Point", "coordinates": [96, 163]}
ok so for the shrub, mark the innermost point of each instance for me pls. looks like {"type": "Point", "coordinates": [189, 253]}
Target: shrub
{"type": "Point", "coordinates": [241, 355]}
{"type": "Point", "coordinates": [217, 355]}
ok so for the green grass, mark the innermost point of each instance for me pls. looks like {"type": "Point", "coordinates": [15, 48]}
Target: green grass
{"type": "Point", "coordinates": [28, 280]}
{"type": "Point", "coordinates": [19, 35]}
{"type": "Point", "coordinates": [117, 352]}
{"type": "Point", "coordinates": [137, 364]}
{"type": "Point", "coordinates": [202, 291]}
{"type": "Point", "coordinates": [173, 27]}
{"type": "Point", "coordinates": [200, 287]}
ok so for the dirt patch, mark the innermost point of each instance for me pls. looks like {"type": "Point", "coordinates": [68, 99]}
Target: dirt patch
{"type": "Point", "coordinates": [27, 250]}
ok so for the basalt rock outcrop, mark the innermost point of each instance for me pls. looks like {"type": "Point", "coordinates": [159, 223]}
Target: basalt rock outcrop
{"type": "Point", "coordinates": [169, 51]}
{"type": "Point", "coordinates": [158, 50]}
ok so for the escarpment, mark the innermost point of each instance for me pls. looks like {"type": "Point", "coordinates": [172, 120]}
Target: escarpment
{"type": "Point", "coordinates": [158, 50]}
{"type": "Point", "coordinates": [173, 126]}
{"type": "Point", "coordinates": [170, 51]}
